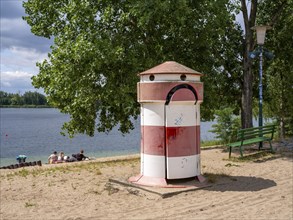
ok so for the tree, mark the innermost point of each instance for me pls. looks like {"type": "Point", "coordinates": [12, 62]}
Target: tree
{"type": "Point", "coordinates": [17, 99]}
{"type": "Point", "coordinates": [34, 98]}
{"type": "Point", "coordinates": [28, 98]}
{"type": "Point", "coordinates": [272, 18]}
{"type": "Point", "coordinates": [5, 98]}
{"type": "Point", "coordinates": [279, 72]}
{"type": "Point", "coordinates": [100, 46]}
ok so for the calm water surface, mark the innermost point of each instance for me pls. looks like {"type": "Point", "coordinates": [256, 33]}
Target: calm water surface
{"type": "Point", "coordinates": [36, 133]}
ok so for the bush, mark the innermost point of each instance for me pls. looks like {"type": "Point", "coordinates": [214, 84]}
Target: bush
{"type": "Point", "coordinates": [227, 125]}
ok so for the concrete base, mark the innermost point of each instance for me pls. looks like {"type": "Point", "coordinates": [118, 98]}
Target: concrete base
{"type": "Point", "coordinates": [167, 188]}
{"type": "Point", "coordinates": [148, 181]}
{"type": "Point", "coordinates": [164, 183]}
{"type": "Point", "coordinates": [201, 178]}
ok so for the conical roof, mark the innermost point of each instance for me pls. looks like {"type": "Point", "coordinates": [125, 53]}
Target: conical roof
{"type": "Point", "coordinates": [170, 67]}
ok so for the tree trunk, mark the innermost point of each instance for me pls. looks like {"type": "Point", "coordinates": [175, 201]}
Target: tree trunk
{"type": "Point", "coordinates": [282, 110]}
{"type": "Point", "coordinates": [246, 102]}
{"type": "Point", "coordinates": [282, 128]}
{"type": "Point", "coordinates": [246, 99]}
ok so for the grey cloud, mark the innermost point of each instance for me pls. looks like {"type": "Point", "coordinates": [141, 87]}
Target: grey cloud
{"type": "Point", "coordinates": [19, 83]}
{"type": "Point", "coordinates": [20, 49]}
{"type": "Point", "coordinates": [18, 86]}
{"type": "Point", "coordinates": [15, 32]}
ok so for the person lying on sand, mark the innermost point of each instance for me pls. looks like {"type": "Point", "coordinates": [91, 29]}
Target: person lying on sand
{"type": "Point", "coordinates": [80, 156]}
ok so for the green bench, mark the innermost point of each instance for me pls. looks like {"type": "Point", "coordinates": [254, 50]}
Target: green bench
{"type": "Point", "coordinates": [249, 136]}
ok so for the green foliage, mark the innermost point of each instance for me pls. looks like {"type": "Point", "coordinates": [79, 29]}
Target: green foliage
{"type": "Point", "coordinates": [27, 99]}
{"type": "Point", "coordinates": [5, 98]}
{"type": "Point", "coordinates": [227, 125]}
{"type": "Point", "coordinates": [100, 46]}
{"type": "Point", "coordinates": [210, 143]}
{"type": "Point", "coordinates": [17, 100]}
{"type": "Point", "coordinates": [34, 98]}
{"type": "Point", "coordinates": [23, 173]}
{"type": "Point", "coordinates": [29, 204]}
{"type": "Point", "coordinates": [278, 77]}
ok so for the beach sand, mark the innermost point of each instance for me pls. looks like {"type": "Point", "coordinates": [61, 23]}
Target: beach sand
{"type": "Point", "coordinates": [255, 189]}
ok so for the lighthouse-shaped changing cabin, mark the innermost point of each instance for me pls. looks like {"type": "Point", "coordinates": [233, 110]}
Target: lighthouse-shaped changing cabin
{"type": "Point", "coordinates": [170, 95]}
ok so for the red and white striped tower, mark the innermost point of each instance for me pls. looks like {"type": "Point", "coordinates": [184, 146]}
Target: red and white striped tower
{"type": "Point", "coordinates": [170, 95]}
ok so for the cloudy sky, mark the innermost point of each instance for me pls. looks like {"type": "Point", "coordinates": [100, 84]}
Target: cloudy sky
{"type": "Point", "coordinates": [20, 49]}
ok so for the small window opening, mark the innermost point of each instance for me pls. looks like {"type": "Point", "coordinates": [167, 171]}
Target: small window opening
{"type": "Point", "coordinates": [152, 77]}
{"type": "Point", "coordinates": [183, 77]}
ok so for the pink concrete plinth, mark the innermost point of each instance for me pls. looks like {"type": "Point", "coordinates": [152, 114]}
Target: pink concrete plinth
{"type": "Point", "coordinates": [201, 178]}
{"type": "Point", "coordinates": [148, 181]}
{"type": "Point", "coordinates": [198, 181]}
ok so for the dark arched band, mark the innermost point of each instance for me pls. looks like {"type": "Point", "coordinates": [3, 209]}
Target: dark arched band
{"type": "Point", "coordinates": [181, 86]}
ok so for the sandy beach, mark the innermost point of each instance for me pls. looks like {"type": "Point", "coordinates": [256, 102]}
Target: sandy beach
{"type": "Point", "coordinates": [256, 188]}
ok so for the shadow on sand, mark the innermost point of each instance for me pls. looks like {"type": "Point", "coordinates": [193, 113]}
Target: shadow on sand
{"type": "Point", "coordinates": [241, 184]}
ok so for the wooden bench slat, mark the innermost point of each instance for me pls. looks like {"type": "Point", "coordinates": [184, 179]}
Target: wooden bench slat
{"type": "Point", "coordinates": [248, 136]}
{"type": "Point", "coordinates": [255, 131]}
{"type": "Point", "coordinates": [248, 141]}
{"type": "Point", "coordinates": [255, 134]}
{"type": "Point", "coordinates": [257, 128]}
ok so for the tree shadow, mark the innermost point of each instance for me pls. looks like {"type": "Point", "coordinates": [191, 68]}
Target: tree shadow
{"type": "Point", "coordinates": [262, 156]}
{"type": "Point", "coordinates": [239, 183]}
{"type": "Point", "coordinates": [252, 153]}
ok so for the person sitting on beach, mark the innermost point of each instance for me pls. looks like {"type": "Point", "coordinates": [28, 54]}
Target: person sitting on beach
{"type": "Point", "coordinates": [21, 158]}
{"type": "Point", "coordinates": [80, 156]}
{"type": "Point", "coordinates": [60, 157]}
{"type": "Point", "coordinates": [53, 158]}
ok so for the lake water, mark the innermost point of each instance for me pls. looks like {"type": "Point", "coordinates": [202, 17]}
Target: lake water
{"type": "Point", "coordinates": [36, 133]}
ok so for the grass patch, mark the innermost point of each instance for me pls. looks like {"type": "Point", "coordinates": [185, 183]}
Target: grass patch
{"type": "Point", "coordinates": [28, 204]}
{"type": "Point", "coordinates": [94, 167]}
{"type": "Point", "coordinates": [210, 143]}
{"type": "Point", "coordinates": [23, 173]}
